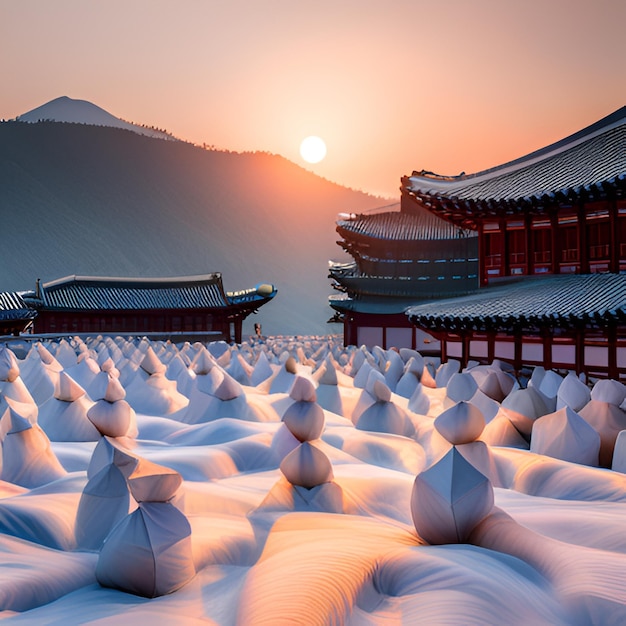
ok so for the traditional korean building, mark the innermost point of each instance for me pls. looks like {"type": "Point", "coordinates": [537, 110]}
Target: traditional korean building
{"type": "Point", "coordinates": [399, 258]}
{"type": "Point", "coordinates": [550, 236]}
{"type": "Point", "coordinates": [558, 213]}
{"type": "Point", "coordinates": [158, 306]}
{"type": "Point", "coordinates": [15, 315]}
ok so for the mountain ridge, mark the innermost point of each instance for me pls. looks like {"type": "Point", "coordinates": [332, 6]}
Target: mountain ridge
{"type": "Point", "coordinates": [76, 111]}
{"type": "Point", "coordinates": [79, 199]}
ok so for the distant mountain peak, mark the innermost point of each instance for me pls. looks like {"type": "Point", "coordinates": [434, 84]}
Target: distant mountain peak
{"type": "Point", "coordinates": [65, 109]}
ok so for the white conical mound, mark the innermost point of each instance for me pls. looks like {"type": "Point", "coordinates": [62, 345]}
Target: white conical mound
{"type": "Point", "coordinates": [449, 499]}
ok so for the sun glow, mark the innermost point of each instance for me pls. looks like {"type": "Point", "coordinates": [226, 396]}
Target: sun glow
{"type": "Point", "coordinates": [312, 149]}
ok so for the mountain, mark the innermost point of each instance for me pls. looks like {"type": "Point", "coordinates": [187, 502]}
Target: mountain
{"type": "Point", "coordinates": [99, 200]}
{"type": "Point", "coordinates": [66, 109]}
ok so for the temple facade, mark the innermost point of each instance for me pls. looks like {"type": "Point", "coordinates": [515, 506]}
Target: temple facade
{"type": "Point", "coordinates": [163, 307]}
{"type": "Point", "coordinates": [399, 257]}
{"type": "Point", "coordinates": [550, 236]}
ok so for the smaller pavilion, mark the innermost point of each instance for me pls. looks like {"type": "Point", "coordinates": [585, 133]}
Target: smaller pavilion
{"type": "Point", "coordinates": [159, 306]}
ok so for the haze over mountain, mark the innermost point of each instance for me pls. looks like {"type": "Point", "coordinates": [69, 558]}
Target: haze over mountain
{"type": "Point", "coordinates": [99, 200]}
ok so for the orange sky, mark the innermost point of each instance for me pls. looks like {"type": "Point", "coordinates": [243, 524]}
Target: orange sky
{"type": "Point", "coordinates": [390, 85]}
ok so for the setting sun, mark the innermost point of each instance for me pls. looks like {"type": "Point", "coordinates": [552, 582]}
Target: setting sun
{"type": "Point", "coordinates": [312, 149]}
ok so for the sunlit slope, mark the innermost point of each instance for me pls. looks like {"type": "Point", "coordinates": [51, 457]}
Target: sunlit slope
{"type": "Point", "coordinates": [88, 200]}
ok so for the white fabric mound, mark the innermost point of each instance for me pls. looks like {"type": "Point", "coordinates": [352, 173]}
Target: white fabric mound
{"type": "Point", "coordinates": [207, 508]}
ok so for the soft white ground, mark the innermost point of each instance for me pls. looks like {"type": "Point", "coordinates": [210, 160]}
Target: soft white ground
{"type": "Point", "coordinates": [552, 552]}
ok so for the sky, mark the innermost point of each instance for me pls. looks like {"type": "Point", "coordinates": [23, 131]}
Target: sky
{"type": "Point", "coordinates": [391, 86]}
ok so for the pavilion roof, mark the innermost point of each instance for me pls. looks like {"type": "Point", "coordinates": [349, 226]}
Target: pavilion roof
{"type": "Point", "coordinates": [13, 307]}
{"type": "Point", "coordinates": [109, 293]}
{"type": "Point", "coordinates": [588, 164]}
{"type": "Point", "coordinates": [400, 226]}
{"type": "Point", "coordinates": [531, 302]}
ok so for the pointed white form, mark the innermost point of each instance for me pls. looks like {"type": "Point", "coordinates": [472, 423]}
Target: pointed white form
{"type": "Point", "coordinates": [40, 373]}
{"type": "Point", "coordinates": [229, 388]}
{"type": "Point", "coordinates": [304, 417]}
{"type": "Point", "coordinates": [9, 368]}
{"type": "Point", "coordinates": [110, 368]}
{"type": "Point", "coordinates": [410, 378]}
{"type": "Point", "coordinates": [619, 453]}
{"type": "Point", "coordinates": [501, 432]}
{"type": "Point", "coordinates": [394, 368]}
{"type": "Point", "coordinates": [27, 458]}
{"type": "Point", "coordinates": [150, 482]}
{"type": "Point", "coordinates": [262, 370]}
{"type": "Point", "coordinates": [105, 499]}
{"type": "Point", "coordinates": [112, 415]}
{"type": "Point", "coordinates": [523, 407]}
{"type": "Point", "coordinates": [487, 405]}
{"type": "Point", "coordinates": [65, 354]}
{"type": "Point", "coordinates": [572, 393]}
{"type": "Point", "coordinates": [307, 466]}
{"type": "Point", "coordinates": [85, 372]}
{"type": "Point", "coordinates": [303, 390]}
{"type": "Point", "coordinates": [47, 358]}
{"type": "Point", "coordinates": [461, 386]}
{"type": "Point", "coordinates": [445, 372]}
{"type": "Point", "coordinates": [363, 374]}
{"type": "Point", "coordinates": [64, 417]}
{"type": "Point", "coordinates": [203, 362]}
{"type": "Point", "coordinates": [461, 423]}
{"type": "Point", "coordinates": [611, 391]}
{"type": "Point", "coordinates": [427, 379]}
{"type": "Point", "coordinates": [151, 363]}
{"type": "Point", "coordinates": [149, 552]}
{"type": "Point", "coordinates": [218, 349]}
{"type": "Point", "coordinates": [382, 415]}
{"type": "Point", "coordinates": [407, 354]}
{"type": "Point", "coordinates": [68, 389]}
{"type": "Point", "coordinates": [328, 394]}
{"type": "Point", "coordinates": [495, 386]}
{"type": "Point", "coordinates": [109, 451]}
{"type": "Point", "coordinates": [567, 436]}
{"type": "Point", "coordinates": [449, 499]}
{"type": "Point", "coordinates": [178, 371]}
{"type": "Point", "coordinates": [326, 373]}
{"type": "Point", "coordinates": [281, 383]}
{"type": "Point", "coordinates": [547, 384]}
{"type": "Point", "coordinates": [608, 420]}
{"type": "Point", "coordinates": [154, 394]}
{"type": "Point", "coordinates": [239, 369]}
{"type": "Point", "coordinates": [419, 402]}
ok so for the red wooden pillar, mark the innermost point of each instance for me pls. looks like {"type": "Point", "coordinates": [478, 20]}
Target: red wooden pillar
{"type": "Point", "coordinates": [465, 354]}
{"type": "Point", "coordinates": [612, 342]}
{"type": "Point", "coordinates": [504, 259]}
{"type": "Point", "coordinates": [482, 266]}
{"type": "Point", "coordinates": [614, 237]}
{"type": "Point", "coordinates": [555, 242]}
{"type": "Point", "coordinates": [546, 335]}
{"type": "Point", "coordinates": [583, 252]}
{"type": "Point", "coordinates": [517, 359]}
{"type": "Point", "coordinates": [530, 253]}
{"type": "Point", "coordinates": [580, 350]}
{"type": "Point", "coordinates": [491, 346]}
{"type": "Point", "coordinates": [443, 347]}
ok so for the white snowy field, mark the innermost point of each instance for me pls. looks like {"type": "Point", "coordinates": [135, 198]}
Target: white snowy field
{"type": "Point", "coordinates": [275, 483]}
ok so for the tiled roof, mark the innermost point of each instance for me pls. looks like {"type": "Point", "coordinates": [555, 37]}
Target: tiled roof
{"type": "Point", "coordinates": [398, 226]}
{"type": "Point", "coordinates": [13, 307]}
{"type": "Point", "coordinates": [594, 155]}
{"type": "Point", "coordinates": [531, 302]}
{"type": "Point", "coordinates": [383, 306]}
{"type": "Point", "coordinates": [94, 293]}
